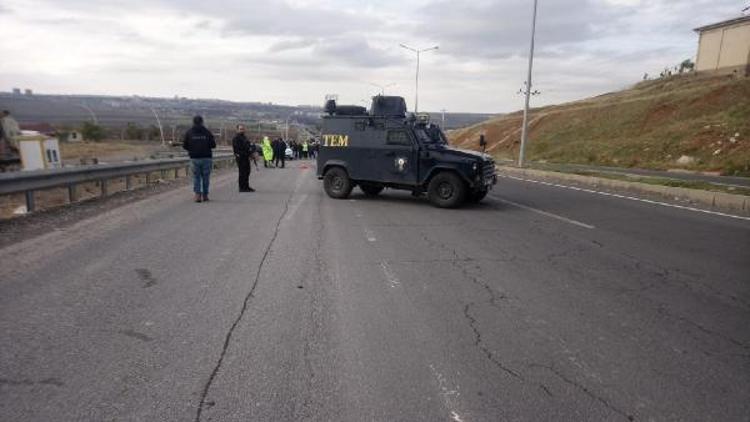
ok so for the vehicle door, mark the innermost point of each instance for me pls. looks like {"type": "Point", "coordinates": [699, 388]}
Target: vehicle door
{"type": "Point", "coordinates": [397, 159]}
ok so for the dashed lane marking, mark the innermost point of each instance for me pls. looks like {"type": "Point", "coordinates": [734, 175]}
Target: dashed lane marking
{"type": "Point", "coordinates": [390, 276]}
{"type": "Point", "coordinates": [630, 198]}
{"type": "Point", "coordinates": [449, 395]}
{"type": "Point", "coordinates": [370, 235]}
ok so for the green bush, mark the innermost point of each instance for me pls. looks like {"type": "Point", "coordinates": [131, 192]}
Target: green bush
{"type": "Point", "coordinates": [92, 132]}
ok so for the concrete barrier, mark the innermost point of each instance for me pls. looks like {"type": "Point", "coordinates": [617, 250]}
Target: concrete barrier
{"type": "Point", "coordinates": [721, 201]}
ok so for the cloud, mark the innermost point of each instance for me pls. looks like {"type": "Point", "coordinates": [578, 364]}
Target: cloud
{"type": "Point", "coordinates": [355, 51]}
{"type": "Point", "coordinates": [296, 51]}
{"type": "Point", "coordinates": [501, 29]}
{"type": "Point", "coordinates": [291, 44]}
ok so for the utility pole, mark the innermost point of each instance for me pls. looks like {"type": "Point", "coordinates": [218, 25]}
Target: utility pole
{"type": "Point", "coordinates": [161, 130]}
{"type": "Point", "coordinates": [525, 130]}
{"type": "Point", "coordinates": [416, 90]}
{"type": "Point", "coordinates": [91, 112]}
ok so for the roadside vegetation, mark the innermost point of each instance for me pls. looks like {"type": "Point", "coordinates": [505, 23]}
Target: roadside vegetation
{"type": "Point", "coordinates": [687, 121]}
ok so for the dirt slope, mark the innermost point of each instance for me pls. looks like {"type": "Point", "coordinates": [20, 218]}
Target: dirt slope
{"type": "Point", "coordinates": [690, 121]}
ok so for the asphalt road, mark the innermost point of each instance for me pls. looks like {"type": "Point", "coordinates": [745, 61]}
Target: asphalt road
{"type": "Point", "coordinates": [541, 304]}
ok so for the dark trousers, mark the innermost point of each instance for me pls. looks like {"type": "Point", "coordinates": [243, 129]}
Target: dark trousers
{"type": "Point", "coordinates": [279, 158]}
{"type": "Point", "coordinates": [243, 165]}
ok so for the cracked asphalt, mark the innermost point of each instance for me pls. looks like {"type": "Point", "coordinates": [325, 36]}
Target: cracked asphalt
{"type": "Point", "coordinates": [286, 305]}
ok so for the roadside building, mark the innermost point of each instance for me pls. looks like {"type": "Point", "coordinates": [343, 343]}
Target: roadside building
{"type": "Point", "coordinates": [724, 47]}
{"type": "Point", "coordinates": [43, 128]}
{"type": "Point", "coordinates": [74, 136]}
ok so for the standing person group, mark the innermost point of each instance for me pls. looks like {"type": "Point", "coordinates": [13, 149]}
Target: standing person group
{"type": "Point", "coordinates": [199, 143]}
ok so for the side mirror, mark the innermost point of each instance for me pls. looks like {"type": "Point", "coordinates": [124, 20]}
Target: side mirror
{"type": "Point", "coordinates": [482, 141]}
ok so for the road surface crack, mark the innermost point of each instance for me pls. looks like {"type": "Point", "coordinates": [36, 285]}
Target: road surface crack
{"type": "Point", "coordinates": [585, 390]}
{"type": "Point", "coordinates": [478, 343]}
{"type": "Point", "coordinates": [236, 322]}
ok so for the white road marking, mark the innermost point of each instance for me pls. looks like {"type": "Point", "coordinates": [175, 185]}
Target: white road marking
{"type": "Point", "coordinates": [631, 198]}
{"type": "Point", "coordinates": [370, 235]}
{"type": "Point", "coordinates": [294, 206]}
{"type": "Point", "coordinates": [545, 213]}
{"type": "Point", "coordinates": [449, 396]}
{"type": "Point", "coordinates": [389, 274]}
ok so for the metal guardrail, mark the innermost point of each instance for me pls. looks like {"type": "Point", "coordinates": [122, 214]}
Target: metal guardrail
{"type": "Point", "coordinates": [30, 181]}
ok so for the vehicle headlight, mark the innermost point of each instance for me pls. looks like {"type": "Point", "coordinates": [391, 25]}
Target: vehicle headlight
{"type": "Point", "coordinates": [474, 167]}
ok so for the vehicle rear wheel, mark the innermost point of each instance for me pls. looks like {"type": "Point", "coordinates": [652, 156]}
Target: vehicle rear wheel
{"type": "Point", "coordinates": [371, 189]}
{"type": "Point", "coordinates": [337, 184]}
{"type": "Point", "coordinates": [477, 196]}
{"type": "Point", "coordinates": [446, 190]}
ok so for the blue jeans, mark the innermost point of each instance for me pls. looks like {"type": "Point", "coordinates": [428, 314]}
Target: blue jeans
{"type": "Point", "coordinates": [201, 174]}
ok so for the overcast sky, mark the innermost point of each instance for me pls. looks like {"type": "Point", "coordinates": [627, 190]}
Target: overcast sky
{"type": "Point", "coordinates": [297, 51]}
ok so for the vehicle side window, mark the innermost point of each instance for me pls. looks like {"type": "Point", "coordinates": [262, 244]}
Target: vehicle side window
{"type": "Point", "coordinates": [398, 137]}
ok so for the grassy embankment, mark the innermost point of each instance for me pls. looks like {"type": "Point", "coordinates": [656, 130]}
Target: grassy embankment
{"type": "Point", "coordinates": [703, 119]}
{"type": "Point", "coordinates": [104, 151]}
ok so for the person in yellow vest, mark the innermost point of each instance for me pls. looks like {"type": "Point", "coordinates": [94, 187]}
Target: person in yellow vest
{"type": "Point", "coordinates": [305, 149]}
{"type": "Point", "coordinates": [267, 152]}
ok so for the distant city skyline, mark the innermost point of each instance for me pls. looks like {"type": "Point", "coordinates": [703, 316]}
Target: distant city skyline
{"type": "Point", "coordinates": [295, 52]}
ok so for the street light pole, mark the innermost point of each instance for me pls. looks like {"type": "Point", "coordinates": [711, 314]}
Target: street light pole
{"type": "Point", "coordinates": [525, 130]}
{"type": "Point", "coordinates": [286, 136]}
{"type": "Point", "coordinates": [418, 52]}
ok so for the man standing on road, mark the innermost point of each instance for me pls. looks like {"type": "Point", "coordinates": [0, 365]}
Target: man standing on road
{"type": "Point", "coordinates": [243, 150]}
{"type": "Point", "coordinates": [199, 141]}
{"type": "Point", "coordinates": [279, 152]}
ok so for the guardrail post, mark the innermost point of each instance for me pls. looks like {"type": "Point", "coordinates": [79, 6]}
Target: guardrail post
{"type": "Point", "coordinates": [104, 187]}
{"type": "Point", "coordinates": [29, 201]}
{"type": "Point", "coordinates": [128, 182]}
{"type": "Point", "coordinates": [176, 172]}
{"type": "Point", "coordinates": [148, 178]}
{"type": "Point", "coordinates": [71, 193]}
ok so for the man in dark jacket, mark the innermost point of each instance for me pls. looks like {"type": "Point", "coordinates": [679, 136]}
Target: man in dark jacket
{"type": "Point", "coordinates": [279, 152]}
{"type": "Point", "coordinates": [199, 141]}
{"type": "Point", "coordinates": [243, 150]}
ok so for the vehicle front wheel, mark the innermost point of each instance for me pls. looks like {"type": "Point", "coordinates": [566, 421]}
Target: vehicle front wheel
{"type": "Point", "coordinates": [371, 189]}
{"type": "Point", "coordinates": [446, 190]}
{"type": "Point", "coordinates": [337, 184]}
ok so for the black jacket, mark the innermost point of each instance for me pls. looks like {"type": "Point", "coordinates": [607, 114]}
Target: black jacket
{"type": "Point", "coordinates": [242, 146]}
{"type": "Point", "coordinates": [279, 147]}
{"type": "Point", "coordinates": [199, 142]}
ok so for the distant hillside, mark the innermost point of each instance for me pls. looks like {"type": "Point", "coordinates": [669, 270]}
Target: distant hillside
{"type": "Point", "coordinates": [690, 121]}
{"type": "Point", "coordinates": [112, 111]}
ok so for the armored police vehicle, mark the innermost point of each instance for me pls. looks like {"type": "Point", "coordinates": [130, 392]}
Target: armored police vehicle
{"type": "Point", "coordinates": [385, 148]}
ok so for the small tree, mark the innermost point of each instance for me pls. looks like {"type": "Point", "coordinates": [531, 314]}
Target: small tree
{"type": "Point", "coordinates": [687, 65]}
{"type": "Point", "coordinates": [133, 131]}
{"type": "Point", "coordinates": [92, 132]}
{"type": "Point", "coordinates": [153, 133]}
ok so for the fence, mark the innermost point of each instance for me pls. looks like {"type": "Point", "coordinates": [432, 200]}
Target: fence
{"type": "Point", "coordinates": [70, 177]}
